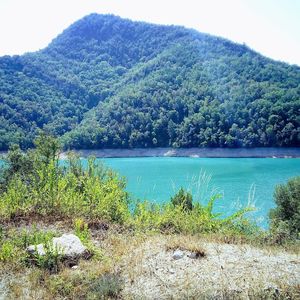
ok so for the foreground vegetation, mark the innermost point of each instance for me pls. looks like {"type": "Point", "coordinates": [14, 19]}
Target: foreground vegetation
{"type": "Point", "coordinates": [42, 196]}
{"type": "Point", "coordinates": [37, 183]}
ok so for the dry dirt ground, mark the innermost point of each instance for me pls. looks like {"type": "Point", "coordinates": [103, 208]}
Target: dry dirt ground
{"type": "Point", "coordinates": [151, 272]}
{"type": "Point", "coordinates": [148, 270]}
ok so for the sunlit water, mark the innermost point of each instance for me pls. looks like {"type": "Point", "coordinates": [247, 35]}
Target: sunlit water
{"type": "Point", "coordinates": [241, 181]}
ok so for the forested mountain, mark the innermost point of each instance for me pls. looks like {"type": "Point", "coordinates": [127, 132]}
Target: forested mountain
{"type": "Point", "coordinates": [110, 82]}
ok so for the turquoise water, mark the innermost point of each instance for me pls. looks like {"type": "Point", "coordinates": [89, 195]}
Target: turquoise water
{"type": "Point", "coordinates": [239, 180]}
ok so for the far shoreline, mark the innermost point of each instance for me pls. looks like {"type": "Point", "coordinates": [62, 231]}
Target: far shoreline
{"type": "Point", "coordinates": [263, 152]}
{"type": "Point", "coordinates": [259, 152]}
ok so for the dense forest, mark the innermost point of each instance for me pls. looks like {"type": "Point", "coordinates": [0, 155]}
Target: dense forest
{"type": "Point", "coordinates": [107, 82]}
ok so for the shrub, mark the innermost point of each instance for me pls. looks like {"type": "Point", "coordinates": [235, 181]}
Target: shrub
{"type": "Point", "coordinates": [178, 219]}
{"type": "Point", "coordinates": [82, 231]}
{"type": "Point", "coordinates": [36, 182]}
{"type": "Point", "coordinates": [52, 260]}
{"type": "Point", "coordinates": [184, 199]}
{"type": "Point", "coordinates": [7, 251]}
{"type": "Point", "coordinates": [285, 218]}
{"type": "Point", "coordinates": [108, 286]}
{"type": "Point", "coordinates": [17, 164]}
{"type": "Point", "coordinates": [14, 243]}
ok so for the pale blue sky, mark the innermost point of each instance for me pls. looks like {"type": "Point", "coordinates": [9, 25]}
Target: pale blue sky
{"type": "Point", "coordinates": [271, 27]}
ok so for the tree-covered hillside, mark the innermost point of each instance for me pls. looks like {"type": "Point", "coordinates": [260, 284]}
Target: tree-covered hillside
{"type": "Point", "coordinates": [110, 82]}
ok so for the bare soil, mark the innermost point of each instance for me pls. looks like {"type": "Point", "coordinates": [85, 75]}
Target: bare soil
{"type": "Point", "coordinates": [150, 271]}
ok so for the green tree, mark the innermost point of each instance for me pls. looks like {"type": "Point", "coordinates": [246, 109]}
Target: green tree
{"type": "Point", "coordinates": [287, 213]}
{"type": "Point", "coordinates": [184, 199]}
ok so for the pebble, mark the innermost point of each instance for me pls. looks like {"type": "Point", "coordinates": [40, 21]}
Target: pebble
{"type": "Point", "coordinates": [192, 255]}
{"type": "Point", "coordinates": [178, 254]}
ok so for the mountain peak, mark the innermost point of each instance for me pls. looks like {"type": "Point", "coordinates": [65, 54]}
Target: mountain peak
{"type": "Point", "coordinates": [95, 26]}
{"type": "Point", "coordinates": [113, 35]}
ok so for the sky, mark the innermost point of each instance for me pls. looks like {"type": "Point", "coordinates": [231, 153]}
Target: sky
{"type": "Point", "coordinates": [271, 27]}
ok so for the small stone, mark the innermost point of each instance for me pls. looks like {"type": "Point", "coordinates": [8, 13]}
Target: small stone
{"type": "Point", "coordinates": [272, 288]}
{"type": "Point", "coordinates": [237, 290]}
{"type": "Point", "coordinates": [192, 255]}
{"type": "Point", "coordinates": [178, 254]}
{"type": "Point", "coordinates": [75, 267]}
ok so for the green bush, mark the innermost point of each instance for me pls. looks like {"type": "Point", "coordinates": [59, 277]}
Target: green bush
{"type": "Point", "coordinates": [285, 218]}
{"type": "Point", "coordinates": [82, 231]}
{"type": "Point", "coordinates": [52, 260]}
{"type": "Point", "coordinates": [7, 251]}
{"type": "Point", "coordinates": [178, 219]}
{"type": "Point", "coordinates": [184, 199]}
{"type": "Point", "coordinates": [13, 243]}
{"type": "Point", "coordinates": [37, 182]}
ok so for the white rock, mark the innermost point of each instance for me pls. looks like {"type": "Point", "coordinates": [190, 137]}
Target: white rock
{"type": "Point", "coordinates": [75, 267]}
{"type": "Point", "coordinates": [68, 245]}
{"type": "Point", "coordinates": [178, 254]}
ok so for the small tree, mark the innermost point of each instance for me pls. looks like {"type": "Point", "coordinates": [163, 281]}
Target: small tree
{"type": "Point", "coordinates": [287, 213]}
{"type": "Point", "coordinates": [185, 199]}
{"type": "Point", "coordinates": [16, 164]}
{"type": "Point", "coordinates": [28, 166]}
{"type": "Point", "coordinates": [47, 147]}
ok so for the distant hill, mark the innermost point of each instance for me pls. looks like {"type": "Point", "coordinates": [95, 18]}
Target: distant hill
{"type": "Point", "coordinates": [108, 82]}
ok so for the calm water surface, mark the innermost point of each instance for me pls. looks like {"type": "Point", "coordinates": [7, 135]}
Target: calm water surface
{"type": "Point", "coordinates": [239, 180]}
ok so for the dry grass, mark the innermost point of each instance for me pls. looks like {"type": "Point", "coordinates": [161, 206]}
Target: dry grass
{"type": "Point", "coordinates": [226, 272]}
{"type": "Point", "coordinates": [259, 242]}
{"type": "Point", "coordinates": [34, 283]}
{"type": "Point", "coordinates": [142, 265]}
{"type": "Point", "coordinates": [186, 243]}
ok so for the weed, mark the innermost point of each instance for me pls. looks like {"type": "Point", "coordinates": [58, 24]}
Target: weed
{"type": "Point", "coordinates": [34, 236]}
{"type": "Point", "coordinates": [13, 246]}
{"type": "Point", "coordinates": [82, 230]}
{"type": "Point", "coordinates": [51, 260]}
{"type": "Point", "coordinates": [108, 286]}
{"type": "Point", "coordinates": [7, 251]}
{"type": "Point", "coordinates": [46, 187]}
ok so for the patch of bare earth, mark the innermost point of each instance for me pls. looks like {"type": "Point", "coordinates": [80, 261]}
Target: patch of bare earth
{"type": "Point", "coordinates": [151, 272]}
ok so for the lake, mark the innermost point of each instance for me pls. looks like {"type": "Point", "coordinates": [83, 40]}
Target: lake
{"type": "Point", "coordinates": [239, 180]}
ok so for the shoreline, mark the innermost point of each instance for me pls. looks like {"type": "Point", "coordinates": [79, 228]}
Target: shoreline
{"type": "Point", "coordinates": [192, 152]}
